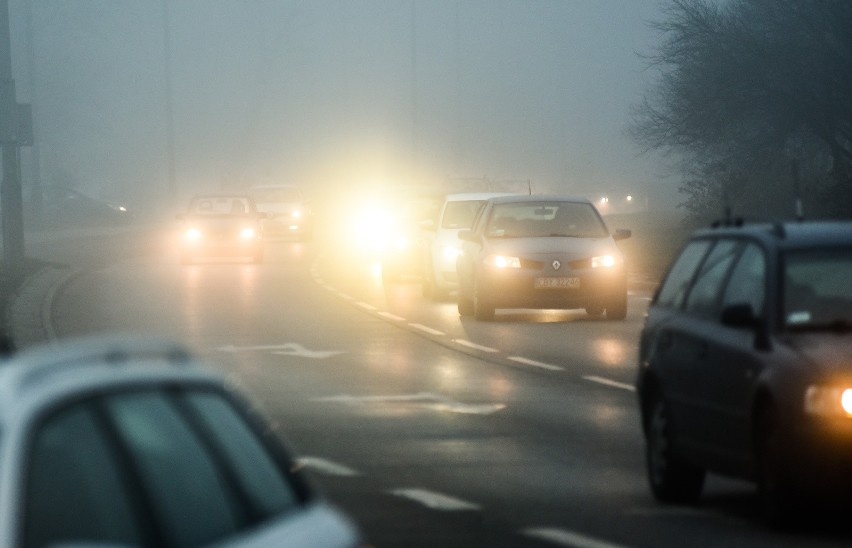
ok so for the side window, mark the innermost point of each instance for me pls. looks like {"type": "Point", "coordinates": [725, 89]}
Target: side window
{"type": "Point", "coordinates": [703, 298]}
{"type": "Point", "coordinates": [74, 492]}
{"type": "Point", "coordinates": [747, 283]}
{"type": "Point", "coordinates": [674, 287]}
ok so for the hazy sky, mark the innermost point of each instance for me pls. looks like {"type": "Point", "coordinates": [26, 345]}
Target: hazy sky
{"type": "Point", "coordinates": [326, 92]}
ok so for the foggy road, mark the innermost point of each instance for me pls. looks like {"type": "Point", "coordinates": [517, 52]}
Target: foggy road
{"type": "Point", "coordinates": [427, 429]}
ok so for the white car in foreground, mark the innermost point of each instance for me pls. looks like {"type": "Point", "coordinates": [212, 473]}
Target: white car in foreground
{"type": "Point", "coordinates": [133, 442]}
{"type": "Point", "coordinates": [441, 243]}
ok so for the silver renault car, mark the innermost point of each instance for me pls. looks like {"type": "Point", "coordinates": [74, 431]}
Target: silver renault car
{"type": "Point", "coordinates": [124, 441]}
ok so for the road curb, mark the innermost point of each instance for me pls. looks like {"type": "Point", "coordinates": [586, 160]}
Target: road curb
{"type": "Point", "coordinates": [29, 315]}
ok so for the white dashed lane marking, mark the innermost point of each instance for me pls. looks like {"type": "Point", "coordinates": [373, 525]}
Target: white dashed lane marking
{"type": "Point", "coordinates": [563, 537]}
{"type": "Point", "coordinates": [475, 346]}
{"type": "Point", "coordinates": [534, 363]}
{"type": "Point", "coordinates": [609, 382]}
{"type": "Point", "coordinates": [426, 329]}
{"type": "Point", "coordinates": [435, 501]}
{"type": "Point", "coordinates": [326, 467]}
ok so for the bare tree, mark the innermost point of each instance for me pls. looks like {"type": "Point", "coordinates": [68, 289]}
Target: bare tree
{"type": "Point", "coordinates": [754, 101]}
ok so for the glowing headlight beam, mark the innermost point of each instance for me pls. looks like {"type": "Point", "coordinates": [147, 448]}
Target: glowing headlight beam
{"type": "Point", "coordinates": [501, 261]}
{"type": "Point", "coordinates": [247, 233]}
{"type": "Point", "coordinates": [603, 261]}
{"type": "Point", "coordinates": [829, 401]}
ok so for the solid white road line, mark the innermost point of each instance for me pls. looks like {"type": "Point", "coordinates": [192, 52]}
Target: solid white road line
{"type": "Point", "coordinates": [326, 467]}
{"type": "Point", "coordinates": [475, 346]}
{"type": "Point", "coordinates": [426, 329]}
{"type": "Point", "coordinates": [390, 316]}
{"type": "Point", "coordinates": [567, 538]}
{"type": "Point", "coordinates": [608, 382]}
{"type": "Point", "coordinates": [435, 501]}
{"type": "Point", "coordinates": [365, 306]}
{"type": "Point", "coordinates": [533, 363]}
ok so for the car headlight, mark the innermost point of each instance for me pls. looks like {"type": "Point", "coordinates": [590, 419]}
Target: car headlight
{"type": "Point", "coordinates": [502, 261]}
{"type": "Point", "coordinates": [829, 401]}
{"type": "Point", "coordinates": [247, 233]}
{"type": "Point", "coordinates": [192, 234]}
{"type": "Point", "coordinates": [450, 253]}
{"type": "Point", "coordinates": [604, 261]}
{"type": "Point", "coordinates": [296, 213]}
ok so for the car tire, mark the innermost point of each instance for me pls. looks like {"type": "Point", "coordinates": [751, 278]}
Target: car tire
{"type": "Point", "coordinates": [594, 310]}
{"type": "Point", "coordinates": [779, 497]}
{"type": "Point", "coordinates": [465, 306]}
{"type": "Point", "coordinates": [483, 308]}
{"type": "Point", "coordinates": [616, 308]}
{"type": "Point", "coordinates": [670, 477]}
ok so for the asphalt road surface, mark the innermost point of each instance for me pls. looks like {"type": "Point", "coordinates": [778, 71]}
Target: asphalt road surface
{"type": "Point", "coordinates": [427, 429]}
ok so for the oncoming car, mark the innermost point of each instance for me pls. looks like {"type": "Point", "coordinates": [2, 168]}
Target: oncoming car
{"type": "Point", "coordinates": [547, 252]}
{"type": "Point", "coordinates": [287, 212]}
{"type": "Point", "coordinates": [441, 245]}
{"type": "Point", "coordinates": [221, 225]}
{"type": "Point", "coordinates": [745, 365]}
{"type": "Point", "coordinates": [131, 441]}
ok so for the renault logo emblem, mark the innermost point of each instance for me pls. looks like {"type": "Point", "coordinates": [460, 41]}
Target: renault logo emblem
{"type": "Point", "coordinates": [556, 265]}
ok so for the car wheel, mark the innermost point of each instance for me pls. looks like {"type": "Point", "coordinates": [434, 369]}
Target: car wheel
{"type": "Point", "coordinates": [616, 309]}
{"type": "Point", "coordinates": [465, 306]}
{"type": "Point", "coordinates": [778, 496]}
{"type": "Point", "coordinates": [671, 479]}
{"type": "Point", "coordinates": [483, 309]}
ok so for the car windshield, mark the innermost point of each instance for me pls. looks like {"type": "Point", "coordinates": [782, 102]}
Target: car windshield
{"type": "Point", "coordinates": [278, 194]}
{"type": "Point", "coordinates": [545, 219]}
{"type": "Point", "coordinates": [220, 206]}
{"type": "Point", "coordinates": [460, 214]}
{"type": "Point", "coordinates": [817, 292]}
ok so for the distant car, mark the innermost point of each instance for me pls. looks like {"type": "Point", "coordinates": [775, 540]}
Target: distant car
{"type": "Point", "coordinates": [221, 225]}
{"type": "Point", "coordinates": [441, 245]}
{"type": "Point", "coordinates": [287, 211]}
{"type": "Point", "coordinates": [541, 252]}
{"type": "Point", "coordinates": [125, 441]}
{"type": "Point", "coordinates": [67, 207]}
{"type": "Point", "coordinates": [745, 364]}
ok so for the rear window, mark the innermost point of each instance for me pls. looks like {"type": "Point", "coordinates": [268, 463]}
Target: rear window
{"type": "Point", "coordinates": [152, 467]}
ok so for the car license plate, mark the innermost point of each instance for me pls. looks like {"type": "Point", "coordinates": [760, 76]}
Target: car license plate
{"type": "Point", "coordinates": [557, 283]}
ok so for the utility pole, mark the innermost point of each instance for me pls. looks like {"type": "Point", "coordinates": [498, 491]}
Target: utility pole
{"type": "Point", "coordinates": [10, 188]}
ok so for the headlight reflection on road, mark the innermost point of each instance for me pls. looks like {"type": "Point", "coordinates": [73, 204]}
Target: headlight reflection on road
{"type": "Point", "coordinates": [612, 351]}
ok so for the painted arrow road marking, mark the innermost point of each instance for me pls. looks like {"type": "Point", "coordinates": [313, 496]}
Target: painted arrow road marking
{"type": "Point", "coordinates": [286, 349]}
{"type": "Point", "coordinates": [428, 400]}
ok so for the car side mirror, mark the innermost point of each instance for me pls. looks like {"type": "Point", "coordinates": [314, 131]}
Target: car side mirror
{"type": "Point", "coordinates": [739, 315]}
{"type": "Point", "coordinates": [743, 315]}
{"type": "Point", "coordinates": [469, 236]}
{"type": "Point", "coordinates": [622, 234]}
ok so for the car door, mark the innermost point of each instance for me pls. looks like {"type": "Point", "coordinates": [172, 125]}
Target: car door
{"type": "Point", "coordinates": [691, 340]}
{"type": "Point", "coordinates": [662, 347]}
{"type": "Point", "coordinates": [733, 363]}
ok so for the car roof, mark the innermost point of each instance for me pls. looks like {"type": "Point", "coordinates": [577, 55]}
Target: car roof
{"type": "Point", "coordinates": [464, 196]}
{"type": "Point", "coordinates": [81, 365]}
{"type": "Point", "coordinates": [787, 235]}
{"type": "Point", "coordinates": [534, 198]}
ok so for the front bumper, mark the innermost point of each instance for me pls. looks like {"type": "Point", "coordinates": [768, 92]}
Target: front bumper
{"type": "Point", "coordinates": [516, 288]}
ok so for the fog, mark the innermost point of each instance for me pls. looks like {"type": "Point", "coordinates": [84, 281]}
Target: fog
{"type": "Point", "coordinates": [326, 93]}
